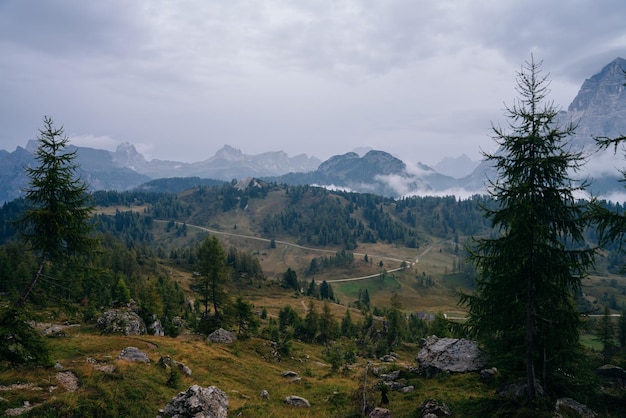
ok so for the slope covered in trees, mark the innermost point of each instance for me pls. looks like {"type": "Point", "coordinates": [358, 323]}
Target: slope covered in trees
{"type": "Point", "coordinates": [150, 253]}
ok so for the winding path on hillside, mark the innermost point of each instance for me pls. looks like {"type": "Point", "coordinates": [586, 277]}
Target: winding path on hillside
{"type": "Point", "coordinates": [409, 264]}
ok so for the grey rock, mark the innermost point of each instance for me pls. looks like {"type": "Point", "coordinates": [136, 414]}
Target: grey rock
{"type": "Point", "coordinates": [167, 361]}
{"type": "Point", "coordinates": [133, 354]}
{"type": "Point", "coordinates": [121, 321]}
{"type": "Point", "coordinates": [488, 375]}
{"type": "Point", "coordinates": [297, 401]}
{"type": "Point", "coordinates": [391, 376]}
{"type": "Point", "coordinates": [103, 367]}
{"type": "Point", "coordinates": [395, 386]}
{"type": "Point", "coordinates": [264, 394]}
{"type": "Point", "coordinates": [290, 374]}
{"type": "Point", "coordinates": [452, 355]}
{"type": "Point", "coordinates": [156, 327]}
{"type": "Point", "coordinates": [184, 369]}
{"type": "Point", "coordinates": [68, 380]}
{"type": "Point", "coordinates": [380, 413]}
{"type": "Point", "coordinates": [407, 389]}
{"type": "Point", "coordinates": [568, 407]}
{"type": "Point", "coordinates": [222, 336]}
{"type": "Point", "coordinates": [434, 407]}
{"type": "Point", "coordinates": [612, 373]}
{"type": "Point", "coordinates": [14, 412]}
{"type": "Point", "coordinates": [387, 358]}
{"type": "Point", "coordinates": [197, 402]}
{"type": "Point", "coordinates": [600, 105]}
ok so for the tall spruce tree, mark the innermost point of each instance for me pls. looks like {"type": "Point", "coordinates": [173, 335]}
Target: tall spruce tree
{"type": "Point", "coordinates": [211, 277]}
{"type": "Point", "coordinates": [522, 306]}
{"type": "Point", "coordinates": [56, 225]}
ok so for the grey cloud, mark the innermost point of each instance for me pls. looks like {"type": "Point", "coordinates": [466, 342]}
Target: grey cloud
{"type": "Point", "coordinates": [69, 27]}
{"type": "Point", "coordinates": [413, 78]}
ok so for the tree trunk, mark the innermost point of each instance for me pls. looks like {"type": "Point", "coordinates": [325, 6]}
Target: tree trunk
{"type": "Point", "coordinates": [530, 367]}
{"type": "Point", "coordinates": [31, 285]}
{"type": "Point", "coordinates": [214, 289]}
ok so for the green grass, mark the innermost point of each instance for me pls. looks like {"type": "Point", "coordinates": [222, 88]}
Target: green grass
{"type": "Point", "coordinates": [591, 341]}
{"type": "Point", "coordinates": [375, 285]}
{"type": "Point", "coordinates": [241, 370]}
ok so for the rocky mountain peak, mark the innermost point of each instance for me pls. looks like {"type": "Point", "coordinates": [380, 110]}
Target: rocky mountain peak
{"type": "Point", "coordinates": [599, 108]}
{"type": "Point", "coordinates": [604, 91]}
{"type": "Point", "coordinates": [337, 161]}
{"type": "Point", "coordinates": [229, 153]}
{"type": "Point", "coordinates": [387, 163]}
{"type": "Point", "coordinates": [31, 145]}
{"type": "Point", "coordinates": [126, 155]}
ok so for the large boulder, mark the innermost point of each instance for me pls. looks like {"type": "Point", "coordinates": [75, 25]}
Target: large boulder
{"type": "Point", "coordinates": [222, 336]}
{"type": "Point", "coordinates": [434, 408]}
{"type": "Point", "coordinates": [133, 354]}
{"type": "Point", "coordinates": [568, 407]}
{"type": "Point", "coordinates": [197, 402]}
{"type": "Point", "coordinates": [297, 401]}
{"type": "Point", "coordinates": [156, 328]}
{"type": "Point", "coordinates": [612, 374]}
{"type": "Point", "coordinates": [169, 362]}
{"type": "Point", "coordinates": [451, 355]}
{"type": "Point", "coordinates": [121, 321]}
{"type": "Point", "coordinates": [380, 413]}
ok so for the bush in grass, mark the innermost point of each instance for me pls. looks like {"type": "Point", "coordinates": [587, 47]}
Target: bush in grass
{"type": "Point", "coordinates": [174, 380]}
{"type": "Point", "coordinates": [20, 343]}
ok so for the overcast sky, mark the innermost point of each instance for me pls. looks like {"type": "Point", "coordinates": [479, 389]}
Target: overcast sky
{"type": "Point", "coordinates": [180, 79]}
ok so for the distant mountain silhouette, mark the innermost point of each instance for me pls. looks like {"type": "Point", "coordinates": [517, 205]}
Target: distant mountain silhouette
{"type": "Point", "coordinates": [599, 109]}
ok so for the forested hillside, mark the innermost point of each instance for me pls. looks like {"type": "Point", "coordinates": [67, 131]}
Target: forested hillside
{"type": "Point", "coordinates": [311, 216]}
{"type": "Point", "coordinates": [286, 252]}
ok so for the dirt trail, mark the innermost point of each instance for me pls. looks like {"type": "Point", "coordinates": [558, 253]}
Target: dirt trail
{"type": "Point", "coordinates": [321, 250]}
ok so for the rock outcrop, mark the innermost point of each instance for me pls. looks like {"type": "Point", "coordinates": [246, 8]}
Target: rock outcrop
{"type": "Point", "coordinates": [568, 407]}
{"type": "Point", "coordinates": [612, 374]}
{"type": "Point", "coordinates": [68, 380]}
{"type": "Point", "coordinates": [488, 375]}
{"type": "Point", "coordinates": [121, 321]}
{"type": "Point", "coordinates": [197, 402]}
{"type": "Point", "coordinates": [168, 362]}
{"type": "Point", "coordinates": [433, 408]}
{"type": "Point", "coordinates": [380, 413]}
{"type": "Point", "coordinates": [599, 108]}
{"type": "Point", "coordinates": [450, 355]}
{"type": "Point", "coordinates": [156, 328]}
{"type": "Point", "coordinates": [133, 354]}
{"type": "Point", "coordinates": [222, 336]}
{"type": "Point", "coordinates": [297, 401]}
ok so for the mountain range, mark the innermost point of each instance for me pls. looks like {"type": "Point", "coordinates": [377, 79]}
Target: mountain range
{"type": "Point", "coordinates": [599, 109]}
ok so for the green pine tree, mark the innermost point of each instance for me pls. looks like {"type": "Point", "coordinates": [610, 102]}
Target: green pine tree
{"type": "Point", "coordinates": [212, 275]}
{"type": "Point", "coordinates": [56, 225]}
{"type": "Point", "coordinates": [244, 316]}
{"type": "Point", "coordinates": [522, 307]}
